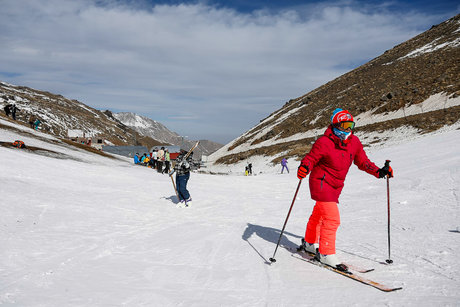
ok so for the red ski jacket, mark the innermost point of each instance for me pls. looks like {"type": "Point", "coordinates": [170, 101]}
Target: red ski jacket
{"type": "Point", "coordinates": [329, 161]}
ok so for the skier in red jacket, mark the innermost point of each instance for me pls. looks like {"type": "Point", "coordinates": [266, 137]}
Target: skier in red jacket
{"type": "Point", "coordinates": [328, 163]}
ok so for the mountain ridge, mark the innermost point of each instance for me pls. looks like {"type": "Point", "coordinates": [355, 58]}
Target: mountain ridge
{"type": "Point", "coordinates": [59, 114]}
{"type": "Point", "coordinates": [154, 129]}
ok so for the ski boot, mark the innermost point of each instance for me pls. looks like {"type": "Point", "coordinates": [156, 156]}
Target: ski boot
{"type": "Point", "coordinates": [332, 261]}
{"type": "Point", "coordinates": [308, 247]}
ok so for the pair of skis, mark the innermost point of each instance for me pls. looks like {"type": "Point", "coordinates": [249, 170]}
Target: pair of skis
{"type": "Point", "coordinates": [350, 273]}
{"type": "Point", "coordinates": [185, 158]}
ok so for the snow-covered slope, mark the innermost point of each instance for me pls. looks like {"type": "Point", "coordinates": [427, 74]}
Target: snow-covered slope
{"type": "Point", "coordinates": [148, 127]}
{"type": "Point", "coordinates": [89, 231]}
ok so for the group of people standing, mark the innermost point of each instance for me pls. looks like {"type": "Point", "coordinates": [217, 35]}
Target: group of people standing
{"type": "Point", "coordinates": [156, 160]}
{"type": "Point", "coordinates": [11, 109]}
{"type": "Point", "coordinates": [182, 169]}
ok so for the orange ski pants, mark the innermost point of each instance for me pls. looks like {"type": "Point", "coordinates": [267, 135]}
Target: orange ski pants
{"type": "Point", "coordinates": [322, 226]}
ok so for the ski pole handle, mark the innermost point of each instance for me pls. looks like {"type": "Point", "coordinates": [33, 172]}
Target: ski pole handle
{"type": "Point", "coordinates": [388, 169]}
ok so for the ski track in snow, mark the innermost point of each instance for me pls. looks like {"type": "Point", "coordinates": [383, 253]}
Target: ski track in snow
{"type": "Point", "coordinates": [90, 231]}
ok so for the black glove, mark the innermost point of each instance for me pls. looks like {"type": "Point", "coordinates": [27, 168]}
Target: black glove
{"type": "Point", "coordinates": [385, 171]}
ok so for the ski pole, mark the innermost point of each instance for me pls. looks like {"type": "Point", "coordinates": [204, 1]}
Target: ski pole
{"type": "Point", "coordinates": [387, 165]}
{"type": "Point", "coordinates": [272, 259]}
{"type": "Point", "coordinates": [174, 185]}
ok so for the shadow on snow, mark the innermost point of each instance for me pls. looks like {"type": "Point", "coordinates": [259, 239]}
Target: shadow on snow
{"type": "Point", "coordinates": [271, 235]}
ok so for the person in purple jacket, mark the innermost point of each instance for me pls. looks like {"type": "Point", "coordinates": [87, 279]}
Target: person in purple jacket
{"type": "Point", "coordinates": [284, 165]}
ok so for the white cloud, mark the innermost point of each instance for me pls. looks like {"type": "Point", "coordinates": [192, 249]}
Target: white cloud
{"type": "Point", "coordinates": [191, 61]}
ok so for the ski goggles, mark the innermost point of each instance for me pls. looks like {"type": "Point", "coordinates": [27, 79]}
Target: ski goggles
{"type": "Point", "coordinates": [346, 125]}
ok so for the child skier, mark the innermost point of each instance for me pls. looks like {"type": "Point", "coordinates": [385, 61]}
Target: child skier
{"type": "Point", "coordinates": [328, 162]}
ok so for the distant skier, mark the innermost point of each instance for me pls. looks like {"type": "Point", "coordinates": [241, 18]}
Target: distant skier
{"type": "Point", "coordinates": [160, 159]}
{"type": "Point", "coordinates": [143, 159]}
{"type": "Point", "coordinates": [146, 160]}
{"type": "Point", "coordinates": [153, 157]}
{"type": "Point", "coordinates": [167, 162]}
{"type": "Point", "coordinates": [284, 165]}
{"type": "Point", "coordinates": [329, 161]}
{"type": "Point", "coordinates": [182, 170]}
{"type": "Point", "coordinates": [250, 168]}
{"type": "Point", "coordinates": [36, 124]}
{"type": "Point", "coordinates": [13, 110]}
{"type": "Point", "coordinates": [7, 109]}
{"type": "Point", "coordinates": [32, 120]}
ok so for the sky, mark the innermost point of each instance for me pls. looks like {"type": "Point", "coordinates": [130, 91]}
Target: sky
{"type": "Point", "coordinates": [205, 69]}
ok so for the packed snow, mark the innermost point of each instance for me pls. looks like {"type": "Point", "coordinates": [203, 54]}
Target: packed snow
{"type": "Point", "coordinates": [85, 230]}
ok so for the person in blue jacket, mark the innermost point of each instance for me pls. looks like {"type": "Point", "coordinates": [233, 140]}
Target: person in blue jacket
{"type": "Point", "coordinates": [143, 158]}
{"type": "Point", "coordinates": [182, 169]}
{"type": "Point", "coordinates": [136, 158]}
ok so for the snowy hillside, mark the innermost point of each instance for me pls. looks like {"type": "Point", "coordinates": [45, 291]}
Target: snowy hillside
{"type": "Point", "coordinates": [146, 126]}
{"type": "Point", "coordinates": [85, 230]}
{"type": "Point", "coordinates": [368, 138]}
{"type": "Point", "coordinates": [58, 115]}
{"type": "Point", "coordinates": [412, 86]}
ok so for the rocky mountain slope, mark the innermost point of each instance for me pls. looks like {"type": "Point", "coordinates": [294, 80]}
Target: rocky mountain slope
{"type": "Point", "coordinates": [414, 87]}
{"type": "Point", "coordinates": [151, 128]}
{"type": "Point", "coordinates": [59, 114]}
{"type": "Point", "coordinates": [148, 127]}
